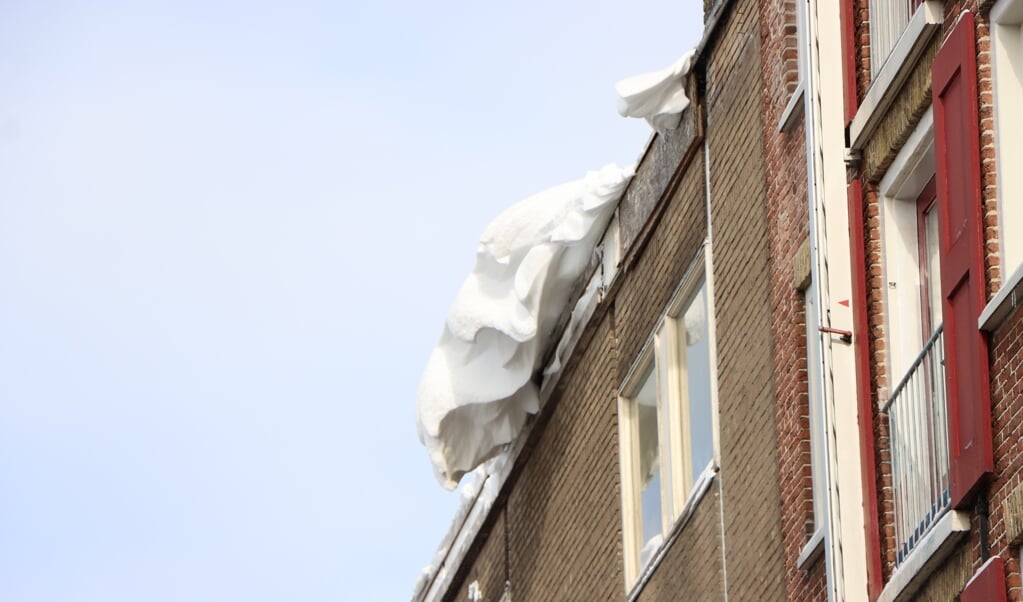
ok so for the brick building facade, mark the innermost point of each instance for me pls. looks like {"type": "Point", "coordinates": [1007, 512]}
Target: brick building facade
{"type": "Point", "coordinates": [931, 132]}
{"type": "Point", "coordinates": [559, 528]}
{"type": "Point", "coordinates": [838, 203]}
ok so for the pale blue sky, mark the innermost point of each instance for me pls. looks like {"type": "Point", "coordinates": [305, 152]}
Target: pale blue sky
{"type": "Point", "coordinates": [229, 234]}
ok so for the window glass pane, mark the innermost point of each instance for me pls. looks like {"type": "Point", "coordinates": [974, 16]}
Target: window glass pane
{"type": "Point", "coordinates": [933, 269]}
{"type": "Point", "coordinates": [649, 457]}
{"type": "Point", "coordinates": [697, 366]}
{"type": "Point", "coordinates": [816, 414]}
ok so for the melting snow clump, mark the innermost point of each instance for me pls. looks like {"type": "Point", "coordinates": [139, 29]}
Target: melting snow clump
{"type": "Point", "coordinates": [478, 384]}
{"type": "Point", "coordinates": [658, 96]}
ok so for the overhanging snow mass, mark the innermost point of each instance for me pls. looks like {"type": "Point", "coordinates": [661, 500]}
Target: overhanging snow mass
{"type": "Point", "coordinates": [477, 387]}
{"type": "Point", "coordinates": [658, 96]}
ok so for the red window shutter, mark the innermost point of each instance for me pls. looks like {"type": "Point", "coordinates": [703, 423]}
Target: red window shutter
{"type": "Point", "coordinates": [960, 243]}
{"type": "Point", "coordinates": [988, 584]}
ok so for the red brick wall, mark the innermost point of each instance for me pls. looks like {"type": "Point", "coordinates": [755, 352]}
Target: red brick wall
{"type": "Point", "coordinates": [788, 217]}
{"type": "Point", "coordinates": [1007, 416]}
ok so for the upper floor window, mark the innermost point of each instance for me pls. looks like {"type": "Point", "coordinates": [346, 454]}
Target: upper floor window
{"type": "Point", "coordinates": [1007, 52]}
{"type": "Point", "coordinates": [667, 425]}
{"type": "Point", "coordinates": [888, 19]}
{"type": "Point", "coordinates": [917, 406]}
{"type": "Point", "coordinates": [796, 56]}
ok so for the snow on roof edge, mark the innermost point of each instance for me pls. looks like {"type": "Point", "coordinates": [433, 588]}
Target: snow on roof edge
{"type": "Point", "coordinates": [478, 497]}
{"type": "Point", "coordinates": [659, 97]}
{"type": "Point", "coordinates": [478, 385]}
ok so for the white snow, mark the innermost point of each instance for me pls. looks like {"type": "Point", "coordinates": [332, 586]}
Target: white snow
{"type": "Point", "coordinates": [658, 96]}
{"type": "Point", "coordinates": [478, 494]}
{"type": "Point", "coordinates": [478, 384]}
{"type": "Point", "coordinates": [651, 546]}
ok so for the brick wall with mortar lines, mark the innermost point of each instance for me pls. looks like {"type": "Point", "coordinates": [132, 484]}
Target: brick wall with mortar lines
{"type": "Point", "coordinates": [1005, 357]}
{"type": "Point", "coordinates": [1007, 416]}
{"type": "Point", "coordinates": [564, 518]}
{"type": "Point", "coordinates": [691, 569]}
{"type": "Point", "coordinates": [489, 568]}
{"type": "Point", "coordinates": [742, 305]}
{"type": "Point", "coordinates": [669, 251]}
{"type": "Point", "coordinates": [788, 219]}
{"type": "Point", "coordinates": [563, 501]}
{"type": "Point", "coordinates": [555, 532]}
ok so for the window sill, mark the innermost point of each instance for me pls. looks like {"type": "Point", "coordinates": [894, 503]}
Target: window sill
{"type": "Point", "coordinates": [793, 109]}
{"type": "Point", "coordinates": [926, 557]}
{"type": "Point", "coordinates": [1001, 306]}
{"type": "Point", "coordinates": [926, 22]}
{"type": "Point", "coordinates": [811, 551]}
{"type": "Point", "coordinates": [700, 489]}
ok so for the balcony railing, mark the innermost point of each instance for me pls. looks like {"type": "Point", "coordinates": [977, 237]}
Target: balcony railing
{"type": "Point", "coordinates": [918, 428]}
{"type": "Point", "coordinates": [888, 19]}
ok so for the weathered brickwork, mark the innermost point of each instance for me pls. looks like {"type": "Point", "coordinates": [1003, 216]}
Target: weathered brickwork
{"type": "Point", "coordinates": [489, 570]}
{"type": "Point", "coordinates": [692, 566]}
{"type": "Point", "coordinates": [788, 219]}
{"type": "Point", "coordinates": [1007, 418]}
{"type": "Point", "coordinates": [668, 253]}
{"type": "Point", "coordinates": [563, 508]}
{"type": "Point", "coordinates": [742, 285]}
{"type": "Point", "coordinates": [901, 118]}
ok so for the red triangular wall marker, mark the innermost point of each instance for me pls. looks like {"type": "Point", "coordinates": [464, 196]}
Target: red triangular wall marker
{"type": "Point", "coordinates": [844, 302]}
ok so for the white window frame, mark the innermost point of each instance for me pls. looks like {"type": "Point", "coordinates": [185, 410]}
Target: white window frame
{"type": "Point", "coordinates": [886, 82]}
{"type": "Point", "coordinates": [1007, 56]}
{"type": "Point", "coordinates": [818, 433]}
{"type": "Point", "coordinates": [794, 107]}
{"type": "Point", "coordinates": [909, 173]}
{"type": "Point", "coordinates": [681, 485]}
{"type": "Point", "coordinates": [906, 178]}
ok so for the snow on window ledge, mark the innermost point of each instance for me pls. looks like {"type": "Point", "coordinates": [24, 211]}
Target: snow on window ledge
{"type": "Point", "coordinates": [700, 488]}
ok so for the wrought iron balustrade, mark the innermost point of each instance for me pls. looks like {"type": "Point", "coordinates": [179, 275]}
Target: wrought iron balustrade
{"type": "Point", "coordinates": [918, 441]}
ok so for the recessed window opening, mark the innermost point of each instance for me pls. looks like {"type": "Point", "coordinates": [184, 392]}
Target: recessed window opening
{"type": "Point", "coordinates": [666, 425]}
{"type": "Point", "coordinates": [916, 407]}
{"type": "Point", "coordinates": [1007, 56]}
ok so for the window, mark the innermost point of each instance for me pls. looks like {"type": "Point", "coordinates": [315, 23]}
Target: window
{"type": "Point", "coordinates": [928, 263]}
{"type": "Point", "coordinates": [900, 35]}
{"type": "Point", "coordinates": [667, 427]}
{"type": "Point", "coordinates": [916, 405]}
{"type": "Point", "coordinates": [910, 260]}
{"type": "Point", "coordinates": [798, 18]}
{"type": "Point", "coordinates": [1007, 47]}
{"type": "Point", "coordinates": [815, 411]}
{"type": "Point", "coordinates": [888, 19]}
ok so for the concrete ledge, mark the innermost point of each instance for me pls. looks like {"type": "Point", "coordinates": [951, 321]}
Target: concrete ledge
{"type": "Point", "coordinates": [1003, 303]}
{"type": "Point", "coordinates": [926, 22]}
{"type": "Point", "coordinates": [812, 550]}
{"type": "Point", "coordinates": [700, 489]}
{"type": "Point", "coordinates": [928, 555]}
